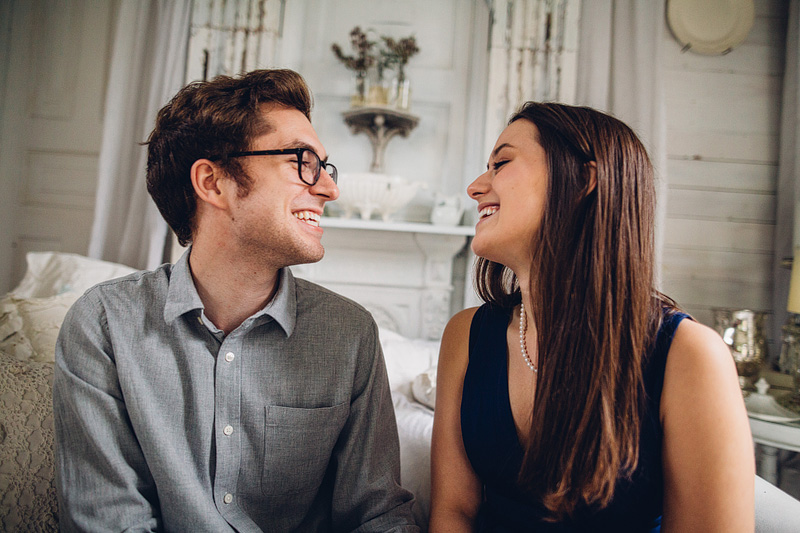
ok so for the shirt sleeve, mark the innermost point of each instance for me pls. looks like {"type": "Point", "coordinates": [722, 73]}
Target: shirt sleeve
{"type": "Point", "coordinates": [367, 493]}
{"type": "Point", "coordinates": [102, 479]}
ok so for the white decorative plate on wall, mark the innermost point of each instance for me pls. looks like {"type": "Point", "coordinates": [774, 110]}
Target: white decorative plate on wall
{"type": "Point", "coordinates": [710, 27]}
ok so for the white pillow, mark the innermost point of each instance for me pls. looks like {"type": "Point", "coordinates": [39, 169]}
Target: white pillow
{"type": "Point", "coordinates": [29, 326]}
{"type": "Point", "coordinates": [424, 388]}
{"type": "Point", "coordinates": [414, 429]}
{"type": "Point", "coordinates": [406, 358]}
{"type": "Point", "coordinates": [52, 273]}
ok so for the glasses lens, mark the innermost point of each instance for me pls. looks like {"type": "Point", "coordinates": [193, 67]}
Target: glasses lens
{"type": "Point", "coordinates": [330, 169]}
{"type": "Point", "coordinates": [309, 167]}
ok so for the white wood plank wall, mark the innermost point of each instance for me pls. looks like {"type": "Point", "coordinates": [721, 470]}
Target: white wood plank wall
{"type": "Point", "coordinates": [723, 123]}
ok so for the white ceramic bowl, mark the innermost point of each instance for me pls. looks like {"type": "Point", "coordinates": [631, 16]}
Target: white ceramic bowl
{"type": "Point", "coordinates": [368, 193]}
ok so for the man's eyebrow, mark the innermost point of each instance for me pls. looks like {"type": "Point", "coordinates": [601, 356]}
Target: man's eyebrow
{"type": "Point", "coordinates": [301, 144]}
{"type": "Point", "coordinates": [497, 150]}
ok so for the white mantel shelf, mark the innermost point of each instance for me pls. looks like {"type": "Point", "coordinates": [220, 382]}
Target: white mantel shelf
{"type": "Point", "coordinates": [404, 227]}
{"type": "Point", "coordinates": [402, 272]}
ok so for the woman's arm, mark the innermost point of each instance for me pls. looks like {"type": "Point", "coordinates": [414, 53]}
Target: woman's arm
{"type": "Point", "coordinates": [455, 489]}
{"type": "Point", "coordinates": [709, 466]}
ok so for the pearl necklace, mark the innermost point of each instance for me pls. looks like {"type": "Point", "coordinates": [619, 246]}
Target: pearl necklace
{"type": "Point", "coordinates": [523, 330]}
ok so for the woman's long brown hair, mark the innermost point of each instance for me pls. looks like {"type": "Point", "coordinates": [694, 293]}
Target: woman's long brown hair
{"type": "Point", "coordinates": [594, 302]}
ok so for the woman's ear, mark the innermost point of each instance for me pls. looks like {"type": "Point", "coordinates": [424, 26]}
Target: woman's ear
{"type": "Point", "coordinates": [206, 177]}
{"type": "Point", "coordinates": [591, 167]}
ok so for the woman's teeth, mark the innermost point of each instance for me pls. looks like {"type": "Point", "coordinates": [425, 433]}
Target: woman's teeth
{"type": "Point", "coordinates": [488, 211]}
{"type": "Point", "coordinates": [309, 217]}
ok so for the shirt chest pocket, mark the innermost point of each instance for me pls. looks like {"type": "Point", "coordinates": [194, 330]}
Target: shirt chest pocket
{"type": "Point", "coordinates": [297, 446]}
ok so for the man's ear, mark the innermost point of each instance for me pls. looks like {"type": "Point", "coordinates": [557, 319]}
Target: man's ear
{"type": "Point", "coordinates": [591, 167]}
{"type": "Point", "coordinates": [206, 177]}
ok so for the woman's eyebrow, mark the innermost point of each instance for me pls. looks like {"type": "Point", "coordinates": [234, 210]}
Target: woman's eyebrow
{"type": "Point", "coordinates": [497, 150]}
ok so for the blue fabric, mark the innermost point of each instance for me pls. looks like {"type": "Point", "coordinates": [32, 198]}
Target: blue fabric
{"type": "Point", "coordinates": [491, 442]}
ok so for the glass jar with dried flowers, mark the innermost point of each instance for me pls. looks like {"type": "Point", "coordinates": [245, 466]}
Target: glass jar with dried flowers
{"type": "Point", "coordinates": [359, 63]}
{"type": "Point", "coordinates": [398, 53]}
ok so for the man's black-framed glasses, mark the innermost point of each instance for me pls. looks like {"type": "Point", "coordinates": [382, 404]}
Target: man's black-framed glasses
{"type": "Point", "coordinates": [309, 164]}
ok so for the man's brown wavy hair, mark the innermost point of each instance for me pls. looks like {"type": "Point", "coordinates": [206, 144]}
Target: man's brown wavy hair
{"type": "Point", "coordinates": [595, 306]}
{"type": "Point", "coordinates": [206, 120]}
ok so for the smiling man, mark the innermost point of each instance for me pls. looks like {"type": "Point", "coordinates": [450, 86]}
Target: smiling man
{"type": "Point", "coordinates": [222, 393]}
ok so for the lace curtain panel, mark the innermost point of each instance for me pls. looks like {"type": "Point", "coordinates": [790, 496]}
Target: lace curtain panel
{"type": "Point", "coordinates": [233, 36]}
{"type": "Point", "coordinates": [533, 50]}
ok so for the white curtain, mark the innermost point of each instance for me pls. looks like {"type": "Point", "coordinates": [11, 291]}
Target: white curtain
{"type": "Point", "coordinates": [787, 217]}
{"type": "Point", "coordinates": [532, 56]}
{"type": "Point", "coordinates": [620, 72]}
{"type": "Point", "coordinates": [147, 68]}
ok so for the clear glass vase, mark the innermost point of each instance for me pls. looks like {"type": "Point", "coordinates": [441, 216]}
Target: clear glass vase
{"type": "Point", "coordinates": [378, 91]}
{"type": "Point", "coordinates": [743, 332]}
{"type": "Point", "coordinates": [359, 89]}
{"type": "Point", "coordinates": [402, 92]}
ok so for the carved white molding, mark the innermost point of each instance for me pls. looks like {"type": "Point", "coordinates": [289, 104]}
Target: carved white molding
{"type": "Point", "coordinates": [385, 318]}
{"type": "Point", "coordinates": [439, 251]}
{"type": "Point", "coordinates": [435, 312]}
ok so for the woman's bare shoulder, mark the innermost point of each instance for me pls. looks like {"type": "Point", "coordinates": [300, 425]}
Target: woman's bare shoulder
{"type": "Point", "coordinates": [454, 348]}
{"type": "Point", "coordinates": [699, 350]}
{"type": "Point", "coordinates": [461, 321]}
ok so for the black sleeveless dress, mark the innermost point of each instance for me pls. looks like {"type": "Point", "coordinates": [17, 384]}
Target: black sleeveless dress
{"type": "Point", "coordinates": [491, 443]}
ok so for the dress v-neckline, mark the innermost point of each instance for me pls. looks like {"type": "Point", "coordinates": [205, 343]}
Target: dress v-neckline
{"type": "Point", "coordinates": [506, 404]}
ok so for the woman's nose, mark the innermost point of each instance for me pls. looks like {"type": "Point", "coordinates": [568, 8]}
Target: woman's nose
{"type": "Point", "coordinates": [479, 186]}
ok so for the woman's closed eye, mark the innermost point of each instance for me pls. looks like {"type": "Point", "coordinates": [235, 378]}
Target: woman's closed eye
{"type": "Point", "coordinates": [498, 164]}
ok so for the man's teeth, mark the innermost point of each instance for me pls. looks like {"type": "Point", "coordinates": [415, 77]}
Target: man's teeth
{"type": "Point", "coordinates": [486, 211]}
{"type": "Point", "coordinates": [309, 217]}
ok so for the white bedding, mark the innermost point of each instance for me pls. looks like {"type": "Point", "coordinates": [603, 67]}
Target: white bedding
{"type": "Point", "coordinates": [410, 365]}
{"type": "Point", "coordinates": [414, 426]}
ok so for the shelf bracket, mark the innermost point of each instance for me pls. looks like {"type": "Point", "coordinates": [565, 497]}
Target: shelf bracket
{"type": "Point", "coordinates": [381, 125]}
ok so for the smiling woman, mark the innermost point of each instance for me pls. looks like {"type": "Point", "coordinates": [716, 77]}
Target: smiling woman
{"type": "Point", "coordinates": [511, 196]}
{"type": "Point", "coordinates": [578, 397]}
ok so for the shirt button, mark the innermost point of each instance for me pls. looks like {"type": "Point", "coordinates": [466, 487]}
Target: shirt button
{"type": "Point", "coordinates": [228, 498]}
{"type": "Point", "coordinates": [229, 356]}
{"type": "Point", "coordinates": [228, 430]}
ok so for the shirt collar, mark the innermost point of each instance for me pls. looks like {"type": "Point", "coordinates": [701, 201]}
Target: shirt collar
{"type": "Point", "coordinates": [182, 297]}
{"type": "Point", "coordinates": [283, 306]}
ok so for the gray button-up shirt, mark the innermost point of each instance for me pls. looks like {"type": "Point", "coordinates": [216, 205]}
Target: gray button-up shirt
{"type": "Point", "coordinates": [164, 423]}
